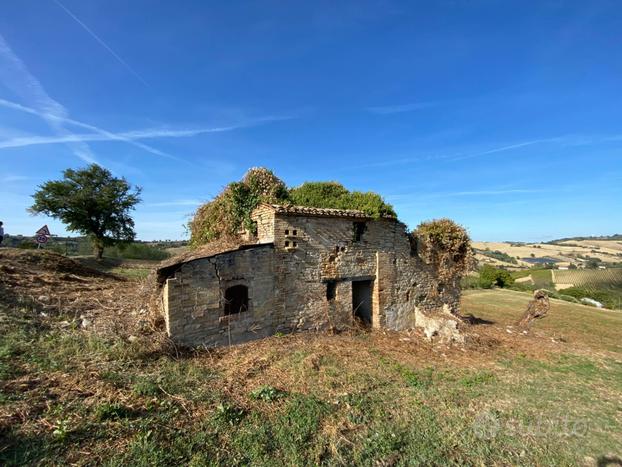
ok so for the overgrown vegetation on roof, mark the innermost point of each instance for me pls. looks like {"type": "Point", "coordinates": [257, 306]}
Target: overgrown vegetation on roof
{"type": "Point", "coordinates": [229, 212]}
{"type": "Point", "coordinates": [335, 195]}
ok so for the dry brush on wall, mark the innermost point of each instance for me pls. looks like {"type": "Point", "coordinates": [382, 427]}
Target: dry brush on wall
{"type": "Point", "coordinates": [229, 212]}
{"type": "Point", "coordinates": [445, 246]}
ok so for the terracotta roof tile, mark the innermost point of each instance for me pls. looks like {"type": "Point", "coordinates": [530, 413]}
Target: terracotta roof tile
{"type": "Point", "coordinates": [319, 212]}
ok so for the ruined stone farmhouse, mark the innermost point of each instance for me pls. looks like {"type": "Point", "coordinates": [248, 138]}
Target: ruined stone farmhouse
{"type": "Point", "coordinates": [304, 269]}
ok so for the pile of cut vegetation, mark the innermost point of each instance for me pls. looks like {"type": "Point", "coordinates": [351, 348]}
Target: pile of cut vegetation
{"type": "Point", "coordinates": [68, 292]}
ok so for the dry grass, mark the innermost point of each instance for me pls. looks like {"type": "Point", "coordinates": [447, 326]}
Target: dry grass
{"type": "Point", "coordinates": [89, 396]}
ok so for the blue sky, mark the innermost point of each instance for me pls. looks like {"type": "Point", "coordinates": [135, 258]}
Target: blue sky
{"type": "Point", "coordinates": [505, 116]}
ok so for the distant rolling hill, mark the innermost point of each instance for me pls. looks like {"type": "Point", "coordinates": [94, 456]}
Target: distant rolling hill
{"type": "Point", "coordinates": [563, 252]}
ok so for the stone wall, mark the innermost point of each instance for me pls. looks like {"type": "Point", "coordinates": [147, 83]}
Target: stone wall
{"type": "Point", "coordinates": [194, 298]}
{"type": "Point", "coordinates": [263, 217]}
{"type": "Point", "coordinates": [289, 281]}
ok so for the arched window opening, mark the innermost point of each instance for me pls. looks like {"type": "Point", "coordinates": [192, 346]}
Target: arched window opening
{"type": "Point", "coordinates": [236, 299]}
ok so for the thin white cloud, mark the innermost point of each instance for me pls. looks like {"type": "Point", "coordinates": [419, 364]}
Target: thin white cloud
{"type": "Point", "coordinates": [130, 137]}
{"type": "Point", "coordinates": [100, 134]}
{"type": "Point", "coordinates": [451, 194]}
{"type": "Point", "coordinates": [401, 108]}
{"type": "Point", "coordinates": [14, 178]}
{"type": "Point", "coordinates": [508, 148]}
{"type": "Point", "coordinates": [490, 192]}
{"type": "Point", "coordinates": [16, 77]}
{"type": "Point", "coordinates": [101, 42]}
{"type": "Point", "coordinates": [104, 134]}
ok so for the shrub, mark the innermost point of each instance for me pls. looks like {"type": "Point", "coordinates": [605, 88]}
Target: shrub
{"type": "Point", "coordinates": [490, 276]}
{"type": "Point", "coordinates": [27, 245]}
{"type": "Point", "coordinates": [230, 211]}
{"type": "Point", "coordinates": [610, 298]}
{"type": "Point", "coordinates": [499, 255]}
{"type": "Point", "coordinates": [336, 196]}
{"type": "Point", "coordinates": [136, 251]}
{"type": "Point", "coordinates": [470, 282]}
{"type": "Point", "coordinates": [446, 246]}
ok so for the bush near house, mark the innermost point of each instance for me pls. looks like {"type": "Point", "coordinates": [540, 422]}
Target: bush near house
{"type": "Point", "coordinates": [490, 276]}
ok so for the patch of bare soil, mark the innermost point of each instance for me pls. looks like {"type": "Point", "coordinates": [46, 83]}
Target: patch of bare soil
{"type": "Point", "coordinates": [54, 285]}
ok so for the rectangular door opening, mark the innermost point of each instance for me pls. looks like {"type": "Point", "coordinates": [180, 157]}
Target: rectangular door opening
{"type": "Point", "coordinates": [361, 301]}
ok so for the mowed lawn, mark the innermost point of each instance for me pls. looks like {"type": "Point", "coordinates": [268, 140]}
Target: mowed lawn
{"type": "Point", "coordinates": [551, 397]}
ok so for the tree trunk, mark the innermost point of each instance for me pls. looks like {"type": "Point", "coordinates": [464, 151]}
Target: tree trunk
{"type": "Point", "coordinates": [98, 248]}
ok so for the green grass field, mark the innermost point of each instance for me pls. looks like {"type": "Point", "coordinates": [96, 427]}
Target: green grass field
{"type": "Point", "coordinates": [548, 398]}
{"type": "Point", "coordinates": [541, 278]}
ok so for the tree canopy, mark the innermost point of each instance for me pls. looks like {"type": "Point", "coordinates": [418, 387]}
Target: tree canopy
{"type": "Point", "coordinates": [229, 212]}
{"type": "Point", "coordinates": [335, 195]}
{"type": "Point", "coordinates": [92, 202]}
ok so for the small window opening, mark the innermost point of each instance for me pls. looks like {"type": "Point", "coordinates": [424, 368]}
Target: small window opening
{"type": "Point", "coordinates": [331, 290]}
{"type": "Point", "coordinates": [286, 242]}
{"type": "Point", "coordinates": [359, 229]}
{"type": "Point", "coordinates": [294, 244]}
{"type": "Point", "coordinates": [295, 232]}
{"type": "Point", "coordinates": [236, 299]}
{"type": "Point", "coordinates": [286, 231]}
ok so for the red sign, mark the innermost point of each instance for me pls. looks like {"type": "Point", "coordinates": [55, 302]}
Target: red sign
{"type": "Point", "coordinates": [44, 231]}
{"type": "Point", "coordinates": [42, 239]}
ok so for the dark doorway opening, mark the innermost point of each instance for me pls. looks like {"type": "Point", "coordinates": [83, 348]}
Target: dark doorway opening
{"type": "Point", "coordinates": [331, 290]}
{"type": "Point", "coordinates": [236, 299]}
{"type": "Point", "coordinates": [361, 301]}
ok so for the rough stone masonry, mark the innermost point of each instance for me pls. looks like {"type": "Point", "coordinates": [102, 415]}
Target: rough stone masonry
{"type": "Point", "coordinates": [306, 269]}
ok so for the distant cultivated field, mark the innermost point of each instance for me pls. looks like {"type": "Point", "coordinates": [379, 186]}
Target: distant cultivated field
{"type": "Point", "coordinates": [605, 250]}
{"type": "Point", "coordinates": [590, 278]}
{"type": "Point", "coordinates": [605, 246]}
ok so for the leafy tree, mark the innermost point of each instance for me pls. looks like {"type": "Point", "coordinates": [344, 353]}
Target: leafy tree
{"type": "Point", "coordinates": [90, 201]}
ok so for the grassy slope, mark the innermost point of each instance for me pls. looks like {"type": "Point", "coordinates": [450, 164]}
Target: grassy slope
{"type": "Point", "coordinates": [369, 399]}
